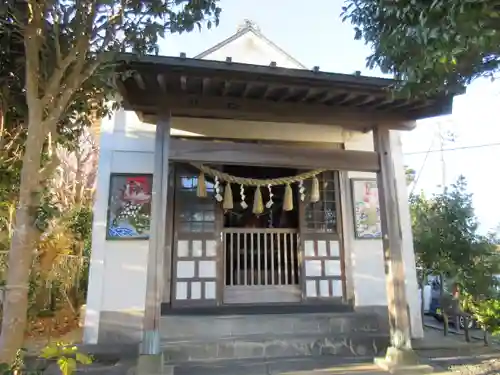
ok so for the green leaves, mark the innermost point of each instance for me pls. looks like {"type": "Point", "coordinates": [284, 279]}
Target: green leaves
{"type": "Point", "coordinates": [446, 240]}
{"type": "Point", "coordinates": [67, 357]}
{"type": "Point", "coordinates": [66, 365]}
{"type": "Point", "coordinates": [430, 49]}
{"type": "Point", "coordinates": [487, 314]}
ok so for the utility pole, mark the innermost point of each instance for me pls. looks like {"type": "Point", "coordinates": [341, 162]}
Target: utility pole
{"type": "Point", "coordinates": [441, 149]}
{"type": "Point", "coordinates": [445, 136]}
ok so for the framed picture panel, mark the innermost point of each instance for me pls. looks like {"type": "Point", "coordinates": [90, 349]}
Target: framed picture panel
{"type": "Point", "coordinates": [129, 206]}
{"type": "Point", "coordinates": [366, 208]}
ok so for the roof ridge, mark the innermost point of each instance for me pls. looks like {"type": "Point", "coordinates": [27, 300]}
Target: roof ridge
{"type": "Point", "coordinates": [249, 27]}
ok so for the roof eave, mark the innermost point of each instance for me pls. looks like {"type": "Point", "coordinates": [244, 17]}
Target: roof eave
{"type": "Point", "coordinates": [271, 87]}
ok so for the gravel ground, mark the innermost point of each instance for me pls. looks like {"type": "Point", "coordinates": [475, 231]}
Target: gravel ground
{"type": "Point", "coordinates": [488, 367]}
{"type": "Point", "coordinates": [477, 361]}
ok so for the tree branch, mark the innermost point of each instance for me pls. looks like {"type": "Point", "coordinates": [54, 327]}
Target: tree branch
{"type": "Point", "coordinates": [78, 52]}
{"type": "Point", "coordinates": [76, 79]}
{"type": "Point", "coordinates": [46, 172]}
{"type": "Point", "coordinates": [32, 48]}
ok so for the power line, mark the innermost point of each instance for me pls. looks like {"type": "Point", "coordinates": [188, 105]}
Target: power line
{"type": "Point", "coordinates": [454, 149]}
{"type": "Point", "coordinates": [421, 168]}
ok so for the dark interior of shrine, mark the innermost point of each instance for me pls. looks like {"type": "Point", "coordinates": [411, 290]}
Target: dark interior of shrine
{"type": "Point", "coordinates": [272, 217]}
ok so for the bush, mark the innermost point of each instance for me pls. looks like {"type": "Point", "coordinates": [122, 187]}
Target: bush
{"type": "Point", "coordinates": [487, 314]}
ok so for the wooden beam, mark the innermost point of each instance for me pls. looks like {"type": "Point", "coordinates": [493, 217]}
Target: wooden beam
{"type": "Point", "coordinates": [205, 84]}
{"type": "Point", "coordinates": [227, 86]}
{"type": "Point", "coordinates": [262, 110]}
{"type": "Point", "coordinates": [270, 91]}
{"type": "Point", "coordinates": [368, 101]}
{"type": "Point", "coordinates": [292, 92]}
{"type": "Point", "coordinates": [378, 103]}
{"type": "Point", "coordinates": [239, 153]}
{"type": "Point", "coordinates": [392, 240]}
{"type": "Point", "coordinates": [139, 81]}
{"type": "Point", "coordinates": [350, 96]}
{"type": "Point", "coordinates": [157, 240]}
{"type": "Point", "coordinates": [313, 93]}
{"type": "Point", "coordinates": [162, 83]}
{"type": "Point", "coordinates": [183, 80]}
{"type": "Point", "coordinates": [248, 87]}
{"type": "Point", "coordinates": [330, 96]}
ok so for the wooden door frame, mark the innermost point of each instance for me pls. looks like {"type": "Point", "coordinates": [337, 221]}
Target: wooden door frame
{"type": "Point", "coordinates": [174, 256]}
{"type": "Point", "coordinates": [219, 224]}
{"type": "Point", "coordinates": [170, 231]}
{"type": "Point", "coordinates": [338, 237]}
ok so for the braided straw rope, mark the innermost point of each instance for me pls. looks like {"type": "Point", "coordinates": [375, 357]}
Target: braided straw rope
{"type": "Point", "coordinates": [256, 182]}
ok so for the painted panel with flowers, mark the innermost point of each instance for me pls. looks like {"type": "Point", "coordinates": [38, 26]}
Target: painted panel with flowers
{"type": "Point", "coordinates": [129, 210]}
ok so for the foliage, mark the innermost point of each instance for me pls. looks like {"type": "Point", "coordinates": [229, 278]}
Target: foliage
{"type": "Point", "coordinates": [64, 220]}
{"type": "Point", "coordinates": [444, 230]}
{"type": "Point", "coordinates": [487, 314]}
{"type": "Point", "coordinates": [17, 366]}
{"type": "Point", "coordinates": [446, 242]}
{"type": "Point", "coordinates": [67, 51]}
{"type": "Point", "coordinates": [410, 174]}
{"type": "Point", "coordinates": [67, 357]}
{"type": "Point", "coordinates": [431, 46]}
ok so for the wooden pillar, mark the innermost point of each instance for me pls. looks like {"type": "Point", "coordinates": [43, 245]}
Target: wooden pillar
{"type": "Point", "coordinates": [154, 285]}
{"type": "Point", "coordinates": [392, 239]}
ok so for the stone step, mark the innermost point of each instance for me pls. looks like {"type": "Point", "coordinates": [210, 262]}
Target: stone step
{"type": "Point", "coordinates": [175, 328]}
{"type": "Point", "coordinates": [202, 338]}
{"type": "Point", "coordinates": [297, 365]}
{"type": "Point", "coordinates": [277, 346]}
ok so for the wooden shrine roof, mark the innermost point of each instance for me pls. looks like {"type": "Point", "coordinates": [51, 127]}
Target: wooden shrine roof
{"type": "Point", "coordinates": [187, 87]}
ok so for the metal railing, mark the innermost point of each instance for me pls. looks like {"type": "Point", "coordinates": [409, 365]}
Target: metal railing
{"type": "Point", "coordinates": [256, 257]}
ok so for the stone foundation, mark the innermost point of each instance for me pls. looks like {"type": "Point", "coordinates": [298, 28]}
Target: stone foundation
{"type": "Point", "coordinates": [191, 338]}
{"type": "Point", "coordinates": [202, 338]}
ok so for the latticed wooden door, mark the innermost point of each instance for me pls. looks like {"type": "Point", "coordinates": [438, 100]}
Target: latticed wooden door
{"type": "Point", "coordinates": [321, 252]}
{"type": "Point", "coordinates": [197, 243]}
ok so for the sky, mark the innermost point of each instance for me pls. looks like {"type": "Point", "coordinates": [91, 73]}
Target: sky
{"type": "Point", "coordinates": [316, 36]}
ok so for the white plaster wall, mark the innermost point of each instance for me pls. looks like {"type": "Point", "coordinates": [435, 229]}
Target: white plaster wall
{"type": "Point", "coordinates": [97, 267]}
{"type": "Point", "coordinates": [366, 256]}
{"type": "Point", "coordinates": [249, 48]}
{"type": "Point", "coordinates": [118, 268]}
{"type": "Point", "coordinates": [117, 280]}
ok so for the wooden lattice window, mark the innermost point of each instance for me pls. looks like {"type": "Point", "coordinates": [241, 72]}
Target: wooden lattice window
{"type": "Point", "coordinates": [195, 214]}
{"type": "Point", "coordinates": [322, 216]}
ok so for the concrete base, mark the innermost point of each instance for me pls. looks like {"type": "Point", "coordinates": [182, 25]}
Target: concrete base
{"type": "Point", "coordinates": [400, 361]}
{"type": "Point", "coordinates": [152, 365]}
{"type": "Point", "coordinates": [206, 338]}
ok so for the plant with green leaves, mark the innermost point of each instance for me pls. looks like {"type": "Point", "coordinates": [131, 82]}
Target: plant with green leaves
{"type": "Point", "coordinates": [430, 46]}
{"type": "Point", "coordinates": [67, 356]}
{"type": "Point", "coordinates": [68, 54]}
{"type": "Point", "coordinates": [487, 314]}
{"type": "Point", "coordinates": [410, 174]}
{"type": "Point", "coordinates": [446, 241]}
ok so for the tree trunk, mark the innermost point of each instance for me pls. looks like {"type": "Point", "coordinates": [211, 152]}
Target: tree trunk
{"type": "Point", "coordinates": [466, 328]}
{"type": "Point", "coordinates": [422, 294]}
{"type": "Point", "coordinates": [25, 236]}
{"type": "Point", "coordinates": [22, 247]}
{"type": "Point", "coordinates": [486, 337]}
{"type": "Point", "coordinates": [446, 322]}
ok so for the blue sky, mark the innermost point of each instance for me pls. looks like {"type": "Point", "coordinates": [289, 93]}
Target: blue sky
{"type": "Point", "coordinates": [315, 35]}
